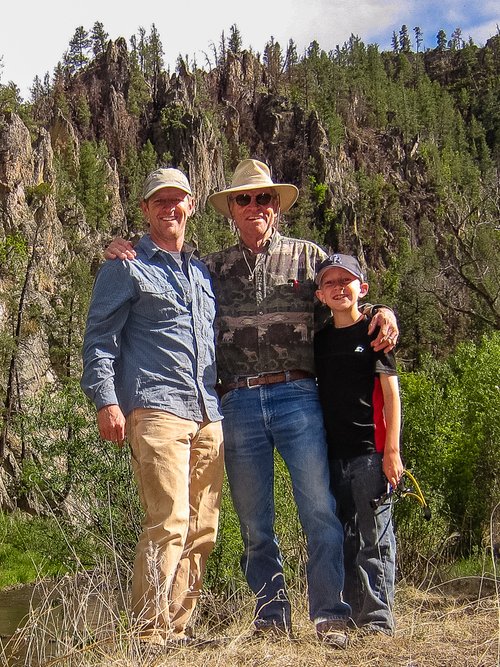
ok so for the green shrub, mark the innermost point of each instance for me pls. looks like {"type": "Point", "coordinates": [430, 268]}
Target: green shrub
{"type": "Point", "coordinates": [451, 439]}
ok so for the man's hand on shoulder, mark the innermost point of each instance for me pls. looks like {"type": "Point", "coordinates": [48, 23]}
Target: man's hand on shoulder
{"type": "Point", "coordinates": [119, 249]}
{"type": "Point", "coordinates": [389, 331]}
{"type": "Point", "coordinates": [111, 423]}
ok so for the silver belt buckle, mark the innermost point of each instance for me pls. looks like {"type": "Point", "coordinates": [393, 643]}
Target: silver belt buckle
{"type": "Point", "coordinates": [251, 377]}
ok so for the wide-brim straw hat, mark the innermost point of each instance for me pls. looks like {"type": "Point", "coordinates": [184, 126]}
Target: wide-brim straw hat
{"type": "Point", "coordinates": [253, 175]}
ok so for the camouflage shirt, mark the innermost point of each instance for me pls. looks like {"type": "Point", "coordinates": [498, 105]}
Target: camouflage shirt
{"type": "Point", "coordinates": [266, 307]}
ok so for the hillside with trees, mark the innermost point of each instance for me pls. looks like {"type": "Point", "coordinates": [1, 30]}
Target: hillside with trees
{"type": "Point", "coordinates": [396, 155]}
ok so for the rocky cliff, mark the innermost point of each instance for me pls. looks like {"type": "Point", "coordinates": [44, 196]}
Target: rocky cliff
{"type": "Point", "coordinates": [71, 166]}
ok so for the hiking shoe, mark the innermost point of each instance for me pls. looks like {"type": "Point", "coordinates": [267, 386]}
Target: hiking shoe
{"type": "Point", "coordinates": [373, 629]}
{"type": "Point", "coordinates": [333, 632]}
{"type": "Point", "coordinates": [270, 630]}
{"type": "Point", "coordinates": [197, 641]}
{"type": "Point", "coordinates": [153, 649]}
{"type": "Point", "coordinates": [150, 650]}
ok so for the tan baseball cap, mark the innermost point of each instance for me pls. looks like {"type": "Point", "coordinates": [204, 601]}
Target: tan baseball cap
{"type": "Point", "coordinates": [165, 178]}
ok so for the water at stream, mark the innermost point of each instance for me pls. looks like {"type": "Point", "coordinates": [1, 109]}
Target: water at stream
{"type": "Point", "coordinates": [14, 606]}
{"type": "Point", "coordinates": [53, 618]}
{"type": "Point", "coordinates": [14, 609]}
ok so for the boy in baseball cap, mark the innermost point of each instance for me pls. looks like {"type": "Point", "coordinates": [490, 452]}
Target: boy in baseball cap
{"type": "Point", "coordinates": [359, 394]}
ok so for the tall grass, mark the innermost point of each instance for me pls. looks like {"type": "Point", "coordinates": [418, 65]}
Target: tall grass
{"type": "Point", "coordinates": [82, 620]}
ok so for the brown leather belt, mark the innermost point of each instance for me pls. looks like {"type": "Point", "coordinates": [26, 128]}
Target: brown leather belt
{"type": "Point", "coordinates": [265, 378]}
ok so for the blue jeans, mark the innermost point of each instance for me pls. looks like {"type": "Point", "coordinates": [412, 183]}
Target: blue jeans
{"type": "Point", "coordinates": [369, 543]}
{"type": "Point", "coordinates": [285, 416]}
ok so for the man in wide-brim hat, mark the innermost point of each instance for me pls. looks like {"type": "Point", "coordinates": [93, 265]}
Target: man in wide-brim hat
{"type": "Point", "coordinates": [265, 287]}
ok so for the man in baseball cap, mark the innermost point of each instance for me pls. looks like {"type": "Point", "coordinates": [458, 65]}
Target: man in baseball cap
{"type": "Point", "coordinates": [149, 368]}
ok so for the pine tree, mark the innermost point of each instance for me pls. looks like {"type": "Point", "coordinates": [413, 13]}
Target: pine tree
{"type": "Point", "coordinates": [154, 61]}
{"type": "Point", "coordinates": [235, 42]}
{"type": "Point", "coordinates": [222, 54]}
{"type": "Point", "coordinates": [291, 57]}
{"type": "Point", "coordinates": [395, 42]}
{"type": "Point", "coordinates": [273, 62]}
{"type": "Point", "coordinates": [377, 85]}
{"type": "Point", "coordinates": [456, 41]}
{"type": "Point", "coordinates": [139, 93]}
{"type": "Point", "coordinates": [76, 56]}
{"type": "Point", "coordinates": [99, 38]}
{"type": "Point", "coordinates": [37, 90]}
{"type": "Point", "coordinates": [10, 97]}
{"type": "Point", "coordinates": [140, 48]}
{"type": "Point", "coordinates": [135, 168]}
{"type": "Point", "coordinates": [419, 37]}
{"type": "Point", "coordinates": [92, 188]}
{"type": "Point", "coordinates": [404, 40]}
{"type": "Point", "coordinates": [441, 40]}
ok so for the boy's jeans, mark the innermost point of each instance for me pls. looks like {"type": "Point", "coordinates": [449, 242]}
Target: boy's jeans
{"type": "Point", "coordinates": [286, 416]}
{"type": "Point", "coordinates": [369, 543]}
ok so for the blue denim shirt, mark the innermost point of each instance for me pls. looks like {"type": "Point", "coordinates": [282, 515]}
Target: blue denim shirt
{"type": "Point", "coordinates": [149, 340]}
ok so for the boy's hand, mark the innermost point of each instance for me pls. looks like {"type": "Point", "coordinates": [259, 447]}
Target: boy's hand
{"type": "Point", "coordinates": [120, 249]}
{"type": "Point", "coordinates": [389, 332]}
{"type": "Point", "coordinates": [393, 468]}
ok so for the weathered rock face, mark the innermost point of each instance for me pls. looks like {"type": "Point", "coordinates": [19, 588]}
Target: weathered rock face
{"type": "Point", "coordinates": [43, 155]}
{"type": "Point", "coordinates": [268, 127]}
{"type": "Point", "coordinates": [16, 171]}
{"type": "Point", "coordinates": [28, 209]}
{"type": "Point", "coordinates": [23, 168]}
{"type": "Point", "coordinates": [117, 214]}
{"type": "Point", "coordinates": [106, 86]}
{"type": "Point", "coordinates": [39, 245]}
{"type": "Point", "coordinates": [244, 120]}
{"type": "Point", "coordinates": [64, 140]}
{"type": "Point", "coordinates": [205, 161]}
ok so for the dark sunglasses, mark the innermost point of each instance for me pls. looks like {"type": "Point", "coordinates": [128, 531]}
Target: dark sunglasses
{"type": "Point", "coordinates": [262, 199]}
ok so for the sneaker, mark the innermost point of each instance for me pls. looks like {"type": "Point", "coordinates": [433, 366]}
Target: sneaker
{"type": "Point", "coordinates": [333, 632]}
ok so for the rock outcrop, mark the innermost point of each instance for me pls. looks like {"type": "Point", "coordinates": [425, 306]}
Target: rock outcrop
{"type": "Point", "coordinates": [57, 211]}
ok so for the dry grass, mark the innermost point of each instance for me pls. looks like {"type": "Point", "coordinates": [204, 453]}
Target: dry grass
{"type": "Point", "coordinates": [81, 623]}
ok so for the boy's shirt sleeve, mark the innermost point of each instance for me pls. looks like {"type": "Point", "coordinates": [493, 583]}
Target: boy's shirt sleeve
{"type": "Point", "coordinates": [385, 362]}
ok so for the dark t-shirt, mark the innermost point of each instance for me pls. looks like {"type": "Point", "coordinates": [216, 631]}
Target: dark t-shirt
{"type": "Point", "coordinates": [348, 371]}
